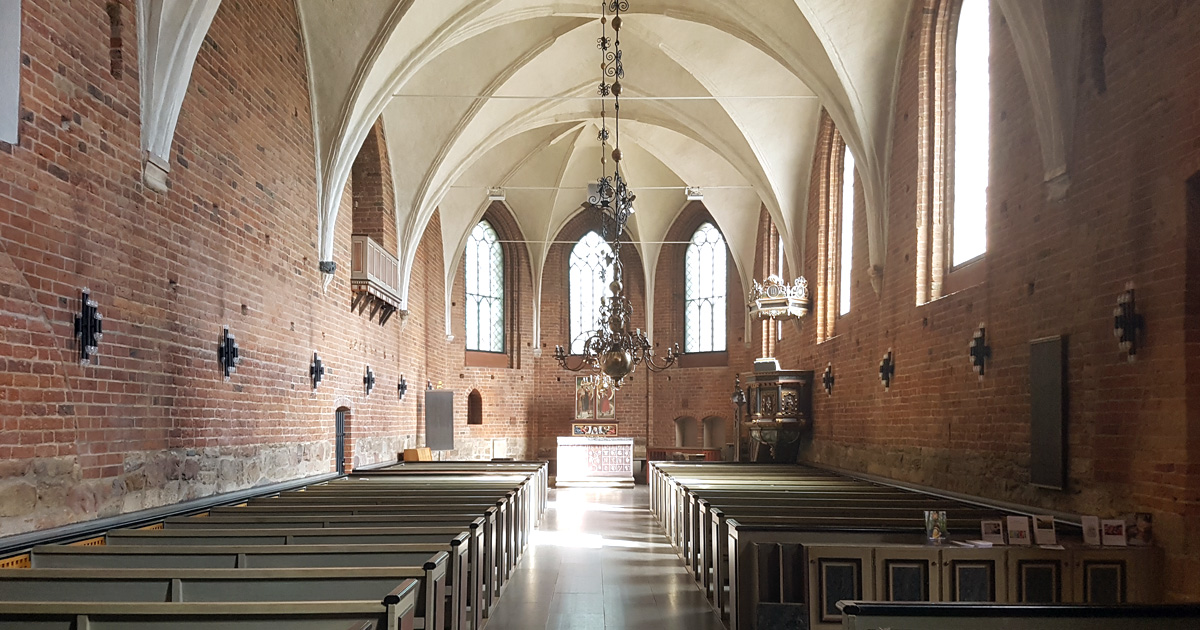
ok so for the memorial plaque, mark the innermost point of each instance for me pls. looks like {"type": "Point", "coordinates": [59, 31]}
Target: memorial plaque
{"type": "Point", "coordinates": [593, 459]}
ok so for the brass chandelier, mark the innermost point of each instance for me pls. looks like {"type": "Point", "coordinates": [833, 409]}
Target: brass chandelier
{"type": "Point", "coordinates": [612, 352]}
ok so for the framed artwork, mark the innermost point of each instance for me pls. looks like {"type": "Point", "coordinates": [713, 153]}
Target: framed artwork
{"type": "Point", "coordinates": [592, 429]}
{"type": "Point", "coordinates": [589, 405]}
{"type": "Point", "coordinates": [606, 406]}
{"type": "Point", "coordinates": [585, 407]}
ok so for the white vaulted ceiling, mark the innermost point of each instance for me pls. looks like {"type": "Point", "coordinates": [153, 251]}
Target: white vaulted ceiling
{"type": "Point", "coordinates": [720, 94]}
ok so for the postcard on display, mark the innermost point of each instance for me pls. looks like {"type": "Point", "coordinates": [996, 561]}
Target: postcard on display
{"type": "Point", "coordinates": [1112, 532]}
{"type": "Point", "coordinates": [992, 531]}
{"type": "Point", "coordinates": [1018, 530]}
{"type": "Point", "coordinates": [1091, 530]}
{"type": "Point", "coordinates": [1043, 530]}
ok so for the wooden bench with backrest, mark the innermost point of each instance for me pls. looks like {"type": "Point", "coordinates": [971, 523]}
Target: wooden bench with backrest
{"type": "Point", "coordinates": [428, 564]}
{"type": "Point", "coordinates": [395, 612]}
{"type": "Point", "coordinates": [465, 578]}
{"type": "Point", "coordinates": [502, 541]}
{"type": "Point", "coordinates": [786, 528]}
{"type": "Point", "coordinates": [862, 615]}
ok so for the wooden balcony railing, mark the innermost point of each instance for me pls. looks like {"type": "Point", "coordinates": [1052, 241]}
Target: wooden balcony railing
{"type": "Point", "coordinates": [374, 278]}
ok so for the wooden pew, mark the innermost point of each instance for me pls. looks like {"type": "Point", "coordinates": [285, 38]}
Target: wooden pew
{"type": "Point", "coordinates": [465, 577]}
{"type": "Point", "coordinates": [433, 564]}
{"type": "Point", "coordinates": [203, 585]}
{"type": "Point", "coordinates": [861, 615]}
{"type": "Point", "coordinates": [393, 612]}
{"type": "Point", "coordinates": [783, 524]}
{"type": "Point", "coordinates": [501, 543]}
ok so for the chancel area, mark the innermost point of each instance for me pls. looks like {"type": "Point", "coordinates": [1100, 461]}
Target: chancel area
{"type": "Point", "coordinates": [618, 314]}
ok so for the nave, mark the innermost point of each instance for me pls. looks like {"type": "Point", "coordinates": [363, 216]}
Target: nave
{"type": "Point", "coordinates": [599, 560]}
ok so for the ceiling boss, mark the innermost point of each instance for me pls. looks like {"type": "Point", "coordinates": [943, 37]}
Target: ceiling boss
{"type": "Point", "coordinates": [612, 352]}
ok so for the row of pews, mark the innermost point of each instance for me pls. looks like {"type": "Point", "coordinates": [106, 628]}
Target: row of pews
{"type": "Point", "coordinates": [415, 545]}
{"type": "Point", "coordinates": [782, 545]}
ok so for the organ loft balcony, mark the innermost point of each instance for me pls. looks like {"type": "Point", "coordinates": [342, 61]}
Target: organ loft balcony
{"type": "Point", "coordinates": [374, 280]}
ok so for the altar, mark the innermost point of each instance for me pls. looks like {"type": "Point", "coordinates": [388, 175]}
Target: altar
{"type": "Point", "coordinates": [595, 461]}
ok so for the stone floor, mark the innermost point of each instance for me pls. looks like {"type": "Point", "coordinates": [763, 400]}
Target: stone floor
{"type": "Point", "coordinates": [600, 561]}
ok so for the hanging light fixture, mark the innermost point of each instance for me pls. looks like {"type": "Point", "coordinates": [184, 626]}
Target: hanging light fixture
{"type": "Point", "coordinates": [613, 352]}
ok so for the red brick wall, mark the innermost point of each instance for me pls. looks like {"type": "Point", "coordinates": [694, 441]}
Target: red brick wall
{"type": "Point", "coordinates": [232, 243]}
{"type": "Point", "coordinates": [506, 391]}
{"type": "Point", "coordinates": [374, 191]}
{"type": "Point", "coordinates": [694, 392]}
{"type": "Point", "coordinates": [1051, 269]}
{"type": "Point", "coordinates": [554, 401]}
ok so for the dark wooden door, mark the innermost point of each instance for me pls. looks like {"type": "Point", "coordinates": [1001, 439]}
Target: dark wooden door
{"type": "Point", "coordinates": [340, 435]}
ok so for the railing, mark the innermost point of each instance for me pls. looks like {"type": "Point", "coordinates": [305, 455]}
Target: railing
{"type": "Point", "coordinates": [374, 270]}
{"type": "Point", "coordinates": [664, 453]}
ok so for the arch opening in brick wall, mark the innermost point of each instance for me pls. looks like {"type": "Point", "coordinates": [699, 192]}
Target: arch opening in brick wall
{"type": "Point", "coordinates": [372, 189]}
{"type": "Point", "coordinates": [687, 432]}
{"type": "Point", "coordinates": [714, 432]}
{"type": "Point", "coordinates": [474, 407]}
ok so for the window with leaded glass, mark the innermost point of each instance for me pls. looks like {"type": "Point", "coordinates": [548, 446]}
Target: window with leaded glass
{"type": "Point", "coordinates": [590, 270]}
{"type": "Point", "coordinates": [704, 291]}
{"type": "Point", "coordinates": [485, 290]}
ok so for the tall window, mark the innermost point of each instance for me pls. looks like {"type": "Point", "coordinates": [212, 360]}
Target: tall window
{"type": "Point", "coordinates": [590, 272]}
{"type": "Point", "coordinates": [846, 232]}
{"type": "Point", "coordinates": [485, 290]}
{"type": "Point", "coordinates": [954, 114]}
{"type": "Point", "coordinates": [972, 109]}
{"type": "Point", "coordinates": [704, 291]}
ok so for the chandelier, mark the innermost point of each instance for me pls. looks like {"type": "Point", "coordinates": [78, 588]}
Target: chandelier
{"type": "Point", "coordinates": [775, 299]}
{"type": "Point", "coordinates": [612, 353]}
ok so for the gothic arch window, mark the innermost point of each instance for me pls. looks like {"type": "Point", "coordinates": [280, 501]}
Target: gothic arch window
{"type": "Point", "coordinates": [972, 113]}
{"type": "Point", "coordinates": [705, 281]}
{"type": "Point", "coordinates": [590, 269]}
{"type": "Point", "coordinates": [835, 230]}
{"type": "Point", "coordinates": [485, 290]}
{"type": "Point", "coordinates": [953, 155]}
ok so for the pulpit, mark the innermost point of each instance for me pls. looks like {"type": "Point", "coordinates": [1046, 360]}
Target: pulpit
{"type": "Point", "coordinates": [590, 461]}
{"type": "Point", "coordinates": [778, 414]}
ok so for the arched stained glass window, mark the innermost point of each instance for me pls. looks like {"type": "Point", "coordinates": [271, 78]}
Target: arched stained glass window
{"type": "Point", "coordinates": [972, 112]}
{"type": "Point", "coordinates": [485, 290]}
{"type": "Point", "coordinates": [704, 291]}
{"type": "Point", "coordinates": [590, 271]}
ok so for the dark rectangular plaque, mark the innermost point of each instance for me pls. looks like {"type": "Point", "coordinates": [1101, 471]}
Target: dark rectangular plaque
{"type": "Point", "coordinates": [439, 419]}
{"type": "Point", "coordinates": [907, 580]}
{"type": "Point", "coordinates": [1039, 582]}
{"type": "Point", "coordinates": [1048, 413]}
{"type": "Point", "coordinates": [1104, 582]}
{"type": "Point", "coordinates": [974, 580]}
{"type": "Point", "coordinates": [839, 579]}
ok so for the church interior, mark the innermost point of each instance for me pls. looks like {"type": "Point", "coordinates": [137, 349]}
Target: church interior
{"type": "Point", "coordinates": [249, 246]}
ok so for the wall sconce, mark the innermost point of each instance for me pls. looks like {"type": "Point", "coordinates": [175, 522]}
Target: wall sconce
{"type": "Point", "coordinates": [402, 387]}
{"type": "Point", "coordinates": [887, 369]}
{"type": "Point", "coordinates": [369, 380]}
{"type": "Point", "coordinates": [827, 379]}
{"type": "Point", "coordinates": [1127, 322]}
{"type": "Point", "coordinates": [88, 327]}
{"type": "Point", "coordinates": [316, 371]}
{"type": "Point", "coordinates": [228, 353]}
{"type": "Point", "coordinates": [979, 351]}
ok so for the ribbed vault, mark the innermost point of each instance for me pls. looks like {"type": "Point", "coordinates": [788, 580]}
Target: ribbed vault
{"type": "Point", "coordinates": [723, 95]}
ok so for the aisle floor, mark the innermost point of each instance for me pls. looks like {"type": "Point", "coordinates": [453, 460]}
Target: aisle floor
{"type": "Point", "coordinates": [600, 561]}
